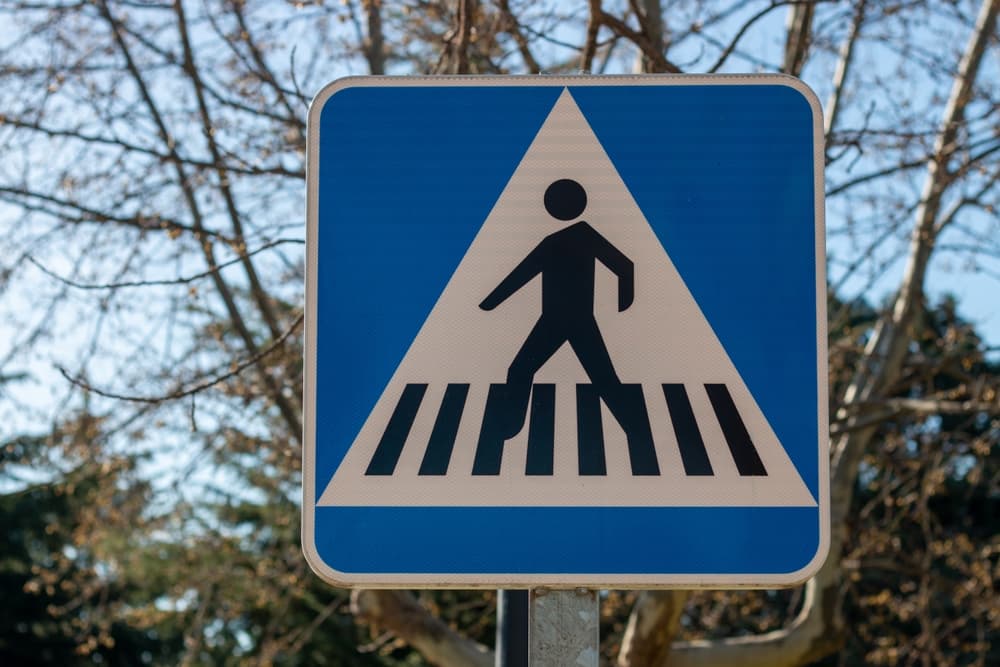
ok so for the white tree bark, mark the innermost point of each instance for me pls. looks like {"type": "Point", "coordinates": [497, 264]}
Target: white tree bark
{"type": "Point", "coordinates": [651, 628]}
{"type": "Point", "coordinates": [799, 30]}
{"type": "Point", "coordinates": [844, 61]}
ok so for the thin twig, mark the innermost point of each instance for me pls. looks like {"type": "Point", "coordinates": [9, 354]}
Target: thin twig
{"type": "Point", "coordinates": [153, 283]}
{"type": "Point", "coordinates": [194, 389]}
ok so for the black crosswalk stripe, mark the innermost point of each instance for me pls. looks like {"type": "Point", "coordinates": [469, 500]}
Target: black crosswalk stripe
{"type": "Point", "coordinates": [641, 451]}
{"type": "Point", "coordinates": [590, 432]}
{"type": "Point", "coordinates": [737, 437]}
{"type": "Point", "coordinates": [391, 445]}
{"type": "Point", "coordinates": [541, 430]}
{"type": "Point", "coordinates": [694, 457]}
{"type": "Point", "coordinates": [630, 406]}
{"type": "Point", "coordinates": [489, 451]}
{"type": "Point", "coordinates": [442, 440]}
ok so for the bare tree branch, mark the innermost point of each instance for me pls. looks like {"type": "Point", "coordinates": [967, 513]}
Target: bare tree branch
{"type": "Point", "coordinates": [183, 280]}
{"type": "Point", "coordinates": [288, 412]}
{"type": "Point", "coordinates": [844, 62]}
{"type": "Point", "coordinates": [466, 17]}
{"type": "Point", "coordinates": [262, 70]}
{"type": "Point", "coordinates": [651, 628]}
{"type": "Point", "coordinates": [650, 17]}
{"type": "Point", "coordinates": [513, 27]}
{"type": "Point", "coordinates": [397, 612]}
{"type": "Point", "coordinates": [120, 142]}
{"type": "Point", "coordinates": [375, 41]}
{"type": "Point", "coordinates": [24, 197]}
{"type": "Point", "coordinates": [658, 61]}
{"type": "Point", "coordinates": [590, 44]}
{"type": "Point", "coordinates": [749, 23]}
{"type": "Point", "coordinates": [260, 297]}
{"type": "Point", "coordinates": [189, 390]}
{"type": "Point", "coordinates": [800, 20]}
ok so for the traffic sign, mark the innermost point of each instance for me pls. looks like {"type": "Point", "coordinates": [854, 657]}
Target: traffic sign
{"type": "Point", "coordinates": [565, 331]}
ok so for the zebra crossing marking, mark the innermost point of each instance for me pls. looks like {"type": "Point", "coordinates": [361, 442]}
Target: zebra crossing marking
{"type": "Point", "coordinates": [692, 447]}
{"type": "Point", "coordinates": [442, 441]}
{"type": "Point", "coordinates": [589, 432]}
{"type": "Point", "coordinates": [437, 438]}
{"type": "Point", "coordinates": [391, 444]}
{"type": "Point", "coordinates": [740, 444]}
{"type": "Point", "coordinates": [591, 446]}
{"type": "Point", "coordinates": [541, 430]}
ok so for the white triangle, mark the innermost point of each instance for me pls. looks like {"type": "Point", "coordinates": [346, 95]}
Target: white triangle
{"type": "Point", "coordinates": [662, 338]}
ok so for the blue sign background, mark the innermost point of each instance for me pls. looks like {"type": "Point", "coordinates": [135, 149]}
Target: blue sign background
{"type": "Point", "coordinates": [724, 175]}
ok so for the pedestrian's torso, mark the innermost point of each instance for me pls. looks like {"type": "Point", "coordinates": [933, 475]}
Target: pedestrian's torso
{"type": "Point", "coordinates": [568, 276]}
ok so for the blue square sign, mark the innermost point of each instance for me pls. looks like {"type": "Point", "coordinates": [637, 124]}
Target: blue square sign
{"type": "Point", "coordinates": [565, 331]}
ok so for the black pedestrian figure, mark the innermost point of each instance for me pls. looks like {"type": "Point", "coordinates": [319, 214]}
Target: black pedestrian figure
{"type": "Point", "coordinates": [566, 260]}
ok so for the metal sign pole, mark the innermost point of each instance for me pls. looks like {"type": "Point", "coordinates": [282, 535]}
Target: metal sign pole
{"type": "Point", "coordinates": [512, 629]}
{"type": "Point", "coordinates": [563, 628]}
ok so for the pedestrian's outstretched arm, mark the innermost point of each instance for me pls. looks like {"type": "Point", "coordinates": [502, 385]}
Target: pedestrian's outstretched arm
{"type": "Point", "coordinates": [529, 267]}
{"type": "Point", "coordinates": [620, 265]}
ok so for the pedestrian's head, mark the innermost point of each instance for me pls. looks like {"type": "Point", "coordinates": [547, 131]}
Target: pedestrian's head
{"type": "Point", "coordinates": [565, 199]}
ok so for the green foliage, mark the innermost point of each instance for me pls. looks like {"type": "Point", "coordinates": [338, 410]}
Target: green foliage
{"type": "Point", "coordinates": [51, 600]}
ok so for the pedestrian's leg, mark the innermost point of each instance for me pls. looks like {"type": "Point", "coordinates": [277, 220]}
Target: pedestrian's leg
{"type": "Point", "coordinates": [625, 401]}
{"type": "Point", "coordinates": [543, 341]}
{"type": "Point", "coordinates": [593, 355]}
{"type": "Point", "coordinates": [507, 404]}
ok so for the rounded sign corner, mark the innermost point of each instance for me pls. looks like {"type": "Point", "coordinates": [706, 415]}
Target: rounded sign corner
{"type": "Point", "coordinates": [806, 92]}
{"type": "Point", "coordinates": [320, 568]}
{"type": "Point", "coordinates": [329, 90]}
{"type": "Point", "coordinates": [810, 569]}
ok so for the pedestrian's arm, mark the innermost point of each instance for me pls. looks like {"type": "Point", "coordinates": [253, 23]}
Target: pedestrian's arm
{"type": "Point", "coordinates": [620, 265]}
{"type": "Point", "coordinates": [529, 267]}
